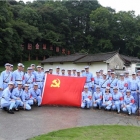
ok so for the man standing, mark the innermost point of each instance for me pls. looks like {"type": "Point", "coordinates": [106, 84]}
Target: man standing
{"type": "Point", "coordinates": [112, 81]}
{"type": "Point", "coordinates": [29, 77]}
{"type": "Point", "coordinates": [103, 83]}
{"type": "Point", "coordinates": [89, 79]}
{"type": "Point", "coordinates": [18, 75]}
{"type": "Point", "coordinates": [133, 86]}
{"type": "Point", "coordinates": [74, 72]}
{"type": "Point", "coordinates": [5, 78]}
{"type": "Point", "coordinates": [50, 70]}
{"type": "Point", "coordinates": [36, 95]}
{"type": "Point", "coordinates": [33, 69]}
{"type": "Point", "coordinates": [40, 78]}
{"type": "Point", "coordinates": [96, 79]}
{"type": "Point", "coordinates": [122, 85]}
{"type": "Point", "coordinates": [7, 103]}
{"type": "Point", "coordinates": [63, 72]}
{"type": "Point", "coordinates": [69, 72]}
{"type": "Point", "coordinates": [57, 71]}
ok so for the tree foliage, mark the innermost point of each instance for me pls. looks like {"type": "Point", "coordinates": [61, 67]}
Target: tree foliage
{"type": "Point", "coordinates": [76, 26]}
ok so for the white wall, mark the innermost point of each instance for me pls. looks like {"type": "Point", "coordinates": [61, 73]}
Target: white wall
{"type": "Point", "coordinates": [69, 65]}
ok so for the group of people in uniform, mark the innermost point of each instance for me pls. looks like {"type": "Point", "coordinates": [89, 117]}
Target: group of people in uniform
{"type": "Point", "coordinates": [21, 90]}
{"type": "Point", "coordinates": [112, 93]}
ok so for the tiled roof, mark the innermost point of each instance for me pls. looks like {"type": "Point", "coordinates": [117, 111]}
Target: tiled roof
{"type": "Point", "coordinates": [97, 57]}
{"type": "Point", "coordinates": [129, 58]}
{"type": "Point", "coordinates": [67, 58]}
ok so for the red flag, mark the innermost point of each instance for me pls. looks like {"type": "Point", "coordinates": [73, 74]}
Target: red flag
{"type": "Point", "coordinates": [29, 46]}
{"type": "Point", "coordinates": [63, 90]}
{"type": "Point", "coordinates": [37, 46]}
{"type": "Point", "coordinates": [57, 49]}
{"type": "Point", "coordinates": [44, 46]}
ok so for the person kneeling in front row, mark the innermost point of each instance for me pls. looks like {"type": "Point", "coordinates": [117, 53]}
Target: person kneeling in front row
{"type": "Point", "coordinates": [26, 98]}
{"type": "Point", "coordinates": [97, 98]}
{"type": "Point", "coordinates": [36, 95]}
{"type": "Point", "coordinates": [107, 99]}
{"type": "Point", "coordinates": [86, 98]}
{"type": "Point", "coordinates": [7, 103]}
{"type": "Point", "coordinates": [128, 102]}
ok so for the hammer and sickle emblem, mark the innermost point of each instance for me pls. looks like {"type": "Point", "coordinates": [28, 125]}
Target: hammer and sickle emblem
{"type": "Point", "coordinates": [55, 83]}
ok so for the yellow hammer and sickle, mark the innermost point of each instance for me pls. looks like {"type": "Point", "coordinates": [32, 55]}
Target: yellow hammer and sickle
{"type": "Point", "coordinates": [55, 83]}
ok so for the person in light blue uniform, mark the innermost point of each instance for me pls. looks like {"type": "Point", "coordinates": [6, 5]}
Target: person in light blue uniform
{"type": "Point", "coordinates": [112, 81]}
{"type": "Point", "coordinates": [89, 79]}
{"type": "Point", "coordinates": [78, 73]}
{"type": "Point", "coordinates": [26, 98]}
{"type": "Point", "coordinates": [96, 79]}
{"type": "Point", "coordinates": [36, 94]}
{"type": "Point", "coordinates": [133, 86]}
{"type": "Point", "coordinates": [108, 74]}
{"type": "Point", "coordinates": [5, 78]}
{"type": "Point", "coordinates": [33, 69]}
{"type": "Point", "coordinates": [7, 103]}
{"type": "Point", "coordinates": [138, 75]}
{"type": "Point", "coordinates": [74, 72]}
{"type": "Point", "coordinates": [39, 79]}
{"type": "Point", "coordinates": [107, 99]}
{"type": "Point", "coordinates": [86, 98]}
{"type": "Point", "coordinates": [18, 75]}
{"type": "Point", "coordinates": [97, 98]}
{"type": "Point", "coordinates": [126, 77]}
{"type": "Point", "coordinates": [63, 72]}
{"type": "Point", "coordinates": [16, 95]}
{"type": "Point", "coordinates": [103, 83]}
{"type": "Point", "coordinates": [117, 100]}
{"type": "Point", "coordinates": [29, 77]}
{"type": "Point", "coordinates": [128, 102]}
{"type": "Point", "coordinates": [11, 68]}
{"type": "Point", "coordinates": [122, 85]}
{"type": "Point", "coordinates": [57, 72]}
{"type": "Point", "coordinates": [101, 73]}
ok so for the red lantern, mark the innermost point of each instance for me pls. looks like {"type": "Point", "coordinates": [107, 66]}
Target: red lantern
{"type": "Point", "coordinates": [57, 49]}
{"type": "Point", "coordinates": [44, 46]}
{"type": "Point", "coordinates": [68, 52]}
{"type": "Point", "coordinates": [51, 47]}
{"type": "Point", "coordinates": [29, 46]}
{"type": "Point", "coordinates": [37, 46]}
{"type": "Point", "coordinates": [63, 51]}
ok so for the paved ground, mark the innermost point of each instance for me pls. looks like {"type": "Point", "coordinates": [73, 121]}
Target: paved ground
{"type": "Point", "coordinates": [26, 124]}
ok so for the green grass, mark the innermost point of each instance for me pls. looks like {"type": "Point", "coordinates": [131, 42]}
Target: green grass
{"type": "Point", "coordinates": [99, 132]}
{"type": "Point", "coordinates": [25, 63]}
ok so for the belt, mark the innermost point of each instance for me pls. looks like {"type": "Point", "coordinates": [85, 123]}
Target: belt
{"type": "Point", "coordinates": [120, 88]}
{"type": "Point", "coordinates": [39, 81]}
{"type": "Point", "coordinates": [96, 84]}
{"type": "Point", "coordinates": [29, 83]}
{"type": "Point", "coordinates": [18, 80]}
{"type": "Point", "coordinates": [111, 87]}
{"type": "Point", "coordinates": [103, 87]}
{"type": "Point", "coordinates": [5, 82]}
{"type": "Point", "coordinates": [133, 90]}
{"type": "Point", "coordinates": [88, 82]}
